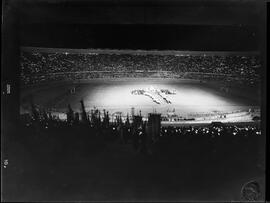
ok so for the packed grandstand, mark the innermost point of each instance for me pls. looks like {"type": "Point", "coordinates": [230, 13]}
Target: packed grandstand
{"type": "Point", "coordinates": [43, 66]}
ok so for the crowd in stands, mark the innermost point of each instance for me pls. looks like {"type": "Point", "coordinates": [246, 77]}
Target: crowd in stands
{"type": "Point", "coordinates": [39, 66]}
{"type": "Point", "coordinates": [211, 131]}
{"type": "Point", "coordinates": [82, 132]}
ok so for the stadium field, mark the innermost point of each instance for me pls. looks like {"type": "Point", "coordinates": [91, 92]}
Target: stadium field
{"type": "Point", "coordinates": [190, 99]}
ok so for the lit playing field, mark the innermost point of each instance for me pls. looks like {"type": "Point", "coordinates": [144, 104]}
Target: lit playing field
{"type": "Point", "coordinates": [115, 96]}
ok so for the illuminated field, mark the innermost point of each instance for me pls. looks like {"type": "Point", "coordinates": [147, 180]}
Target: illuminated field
{"type": "Point", "coordinates": [116, 96]}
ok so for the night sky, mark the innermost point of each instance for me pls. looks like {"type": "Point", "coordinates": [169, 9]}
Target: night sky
{"type": "Point", "coordinates": [175, 25]}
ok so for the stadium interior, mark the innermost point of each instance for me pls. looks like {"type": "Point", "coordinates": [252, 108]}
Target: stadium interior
{"type": "Point", "coordinates": [138, 101]}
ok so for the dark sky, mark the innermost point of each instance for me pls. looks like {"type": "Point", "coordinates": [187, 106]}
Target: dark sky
{"type": "Point", "coordinates": [179, 25]}
{"type": "Point", "coordinates": [163, 37]}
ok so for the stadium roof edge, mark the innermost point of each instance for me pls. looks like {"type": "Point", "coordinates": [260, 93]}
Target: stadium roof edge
{"type": "Point", "coordinates": [135, 52]}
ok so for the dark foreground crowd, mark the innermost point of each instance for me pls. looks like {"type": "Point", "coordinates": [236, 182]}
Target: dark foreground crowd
{"type": "Point", "coordinates": [87, 157]}
{"type": "Point", "coordinates": [86, 134]}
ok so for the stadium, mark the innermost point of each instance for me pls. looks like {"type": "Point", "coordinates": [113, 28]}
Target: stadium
{"type": "Point", "coordinates": [134, 101]}
{"type": "Point", "coordinates": [208, 86]}
{"type": "Point", "coordinates": [152, 113]}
